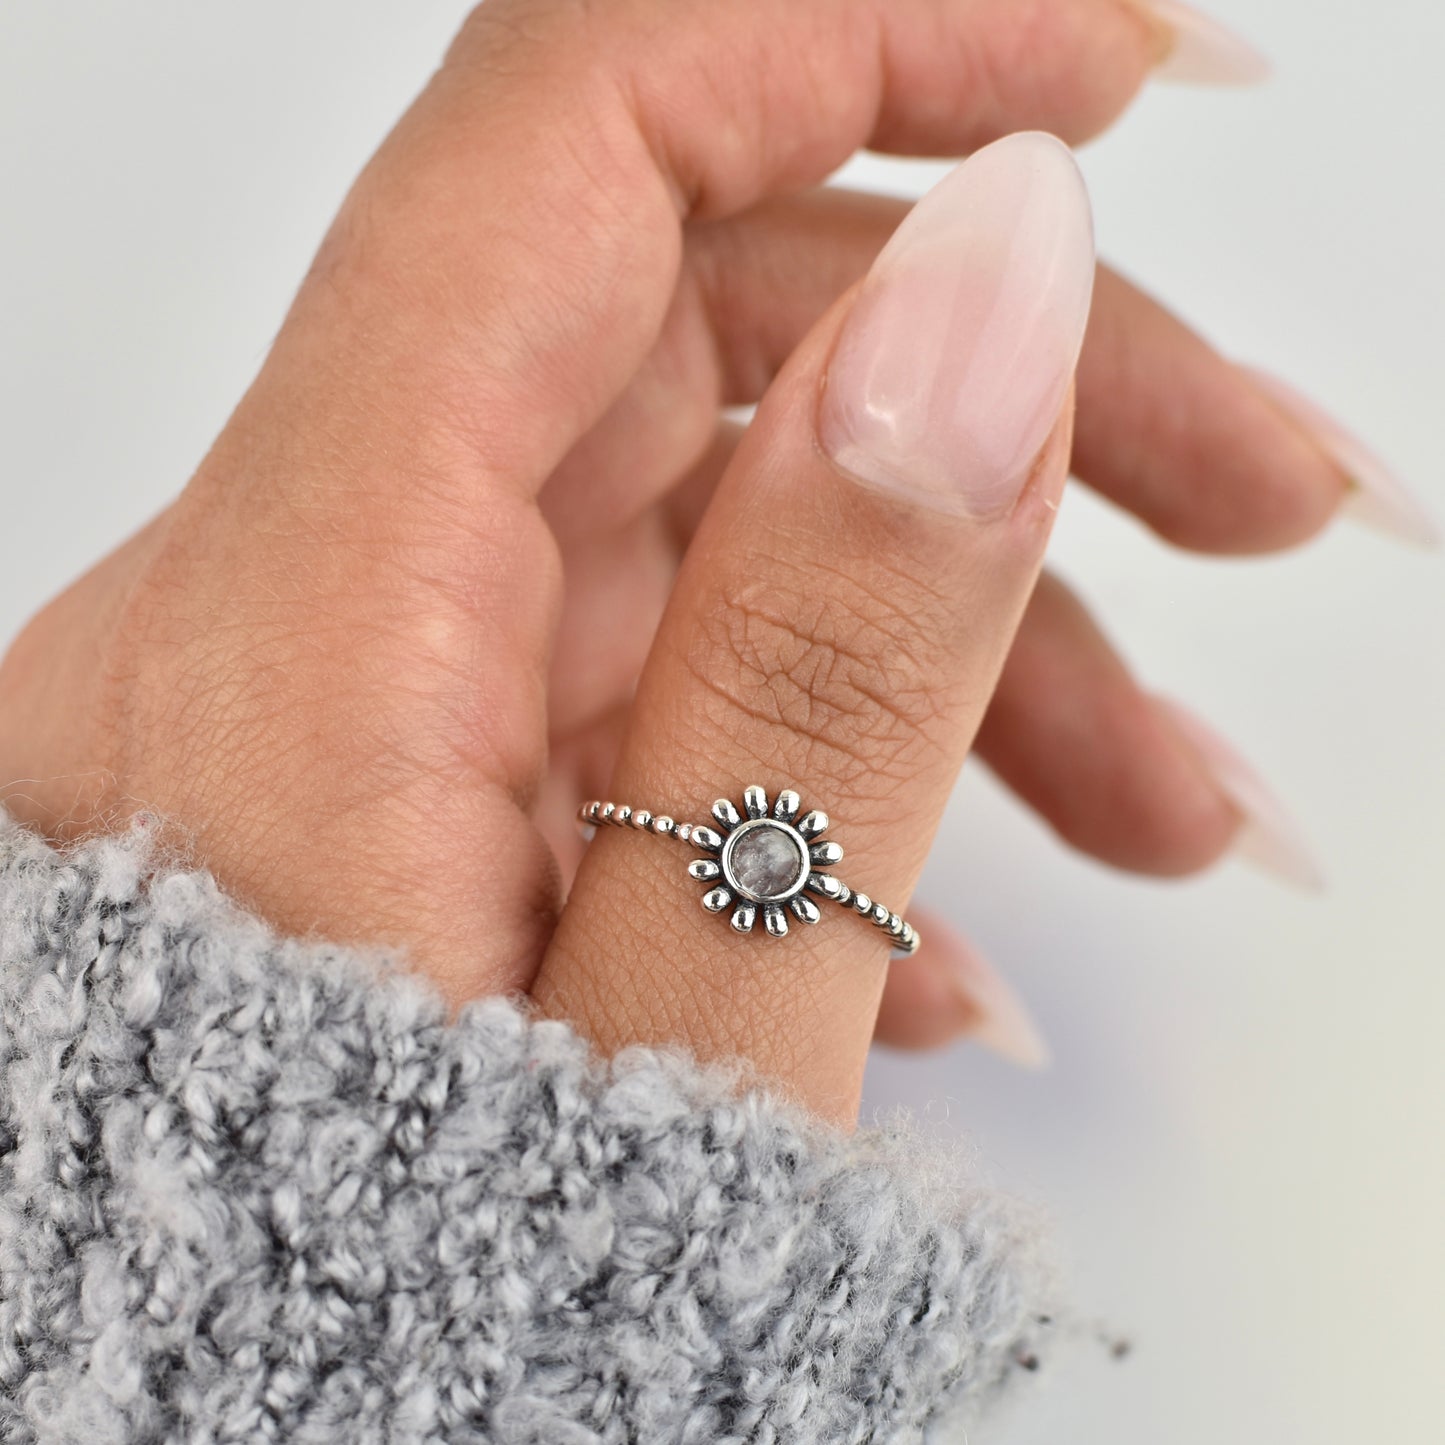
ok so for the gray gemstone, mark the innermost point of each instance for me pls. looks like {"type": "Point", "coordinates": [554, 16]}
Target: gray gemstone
{"type": "Point", "coordinates": [766, 862]}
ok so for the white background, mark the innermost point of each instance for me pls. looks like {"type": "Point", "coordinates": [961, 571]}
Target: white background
{"type": "Point", "coordinates": [1242, 1139]}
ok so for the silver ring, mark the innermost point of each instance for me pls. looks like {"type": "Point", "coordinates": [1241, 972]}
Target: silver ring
{"type": "Point", "coordinates": [761, 859]}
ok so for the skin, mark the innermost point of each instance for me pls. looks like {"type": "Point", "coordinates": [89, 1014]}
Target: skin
{"type": "Point", "coordinates": [391, 632]}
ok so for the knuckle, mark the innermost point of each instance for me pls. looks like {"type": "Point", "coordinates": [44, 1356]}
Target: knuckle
{"type": "Point", "coordinates": [841, 679]}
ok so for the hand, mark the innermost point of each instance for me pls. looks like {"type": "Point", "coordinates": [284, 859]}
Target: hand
{"type": "Point", "coordinates": [388, 636]}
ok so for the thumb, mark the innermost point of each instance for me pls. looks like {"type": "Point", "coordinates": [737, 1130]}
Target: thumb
{"type": "Point", "coordinates": [834, 636]}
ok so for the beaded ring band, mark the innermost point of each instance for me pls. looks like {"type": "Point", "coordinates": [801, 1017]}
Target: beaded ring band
{"type": "Point", "coordinates": [761, 860]}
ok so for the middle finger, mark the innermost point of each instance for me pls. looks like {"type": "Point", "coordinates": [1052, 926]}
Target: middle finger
{"type": "Point", "coordinates": [1168, 428]}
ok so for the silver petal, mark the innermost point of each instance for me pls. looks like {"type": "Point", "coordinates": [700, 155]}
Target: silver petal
{"type": "Point", "coordinates": [706, 839]}
{"type": "Point", "coordinates": [743, 916]}
{"type": "Point", "coordinates": [775, 919]}
{"type": "Point", "coordinates": [804, 909]}
{"type": "Point", "coordinates": [826, 853]}
{"type": "Point", "coordinates": [811, 824]}
{"type": "Point", "coordinates": [726, 815]}
{"type": "Point", "coordinates": [825, 884]}
{"type": "Point", "coordinates": [705, 869]}
{"type": "Point", "coordinates": [717, 900]}
{"type": "Point", "coordinates": [786, 808]}
{"type": "Point", "coordinates": [755, 800]}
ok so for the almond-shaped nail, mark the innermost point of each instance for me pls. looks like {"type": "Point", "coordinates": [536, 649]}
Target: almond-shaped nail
{"type": "Point", "coordinates": [1376, 498]}
{"type": "Point", "coordinates": [953, 366]}
{"type": "Point", "coordinates": [1198, 50]}
{"type": "Point", "coordinates": [1268, 836]}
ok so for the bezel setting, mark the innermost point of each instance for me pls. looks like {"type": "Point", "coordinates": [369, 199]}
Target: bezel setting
{"type": "Point", "coordinates": [751, 829]}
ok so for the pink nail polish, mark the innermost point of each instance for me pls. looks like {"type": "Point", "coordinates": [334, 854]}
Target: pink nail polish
{"type": "Point", "coordinates": [1201, 51]}
{"type": "Point", "coordinates": [1268, 836]}
{"type": "Point", "coordinates": [951, 371]}
{"type": "Point", "coordinates": [1377, 498]}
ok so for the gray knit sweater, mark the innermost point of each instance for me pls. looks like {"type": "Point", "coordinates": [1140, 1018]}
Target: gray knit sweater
{"type": "Point", "coordinates": [256, 1190]}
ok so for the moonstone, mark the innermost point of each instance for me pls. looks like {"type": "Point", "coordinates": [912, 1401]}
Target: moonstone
{"type": "Point", "coordinates": [767, 862]}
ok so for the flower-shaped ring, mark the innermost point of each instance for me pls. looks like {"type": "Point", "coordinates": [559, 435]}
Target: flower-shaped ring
{"type": "Point", "coordinates": [761, 860]}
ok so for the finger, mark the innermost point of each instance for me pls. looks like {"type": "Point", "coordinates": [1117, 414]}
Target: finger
{"type": "Point", "coordinates": [1198, 448]}
{"type": "Point", "coordinates": [838, 625]}
{"type": "Point", "coordinates": [507, 260]}
{"type": "Point", "coordinates": [581, 766]}
{"type": "Point", "coordinates": [948, 991]}
{"type": "Point", "coordinates": [1076, 738]}
{"type": "Point", "coordinates": [616, 585]}
{"type": "Point", "coordinates": [750, 289]}
{"type": "Point", "coordinates": [618, 580]}
{"type": "Point", "coordinates": [1167, 427]}
{"type": "Point", "coordinates": [1190, 443]}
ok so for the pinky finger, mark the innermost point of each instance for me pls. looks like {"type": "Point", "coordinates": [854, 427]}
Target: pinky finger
{"type": "Point", "coordinates": [948, 991]}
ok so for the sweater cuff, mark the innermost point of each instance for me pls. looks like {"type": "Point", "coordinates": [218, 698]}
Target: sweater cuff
{"type": "Point", "coordinates": [253, 1188]}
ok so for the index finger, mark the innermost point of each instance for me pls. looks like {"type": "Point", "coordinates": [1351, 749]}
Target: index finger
{"type": "Point", "coordinates": [507, 259]}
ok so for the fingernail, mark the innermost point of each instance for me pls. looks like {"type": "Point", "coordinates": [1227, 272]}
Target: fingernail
{"type": "Point", "coordinates": [1268, 837]}
{"type": "Point", "coordinates": [1377, 497]}
{"type": "Point", "coordinates": [1198, 50]}
{"type": "Point", "coordinates": [952, 368]}
{"type": "Point", "coordinates": [997, 1017]}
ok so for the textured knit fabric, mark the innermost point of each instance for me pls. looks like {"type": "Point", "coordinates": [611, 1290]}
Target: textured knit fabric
{"type": "Point", "coordinates": [258, 1190]}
